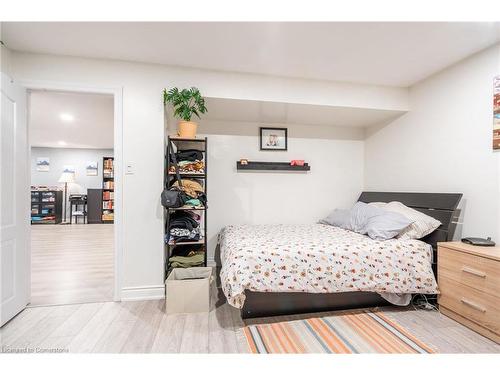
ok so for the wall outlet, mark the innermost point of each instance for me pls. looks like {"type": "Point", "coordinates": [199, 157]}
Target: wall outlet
{"type": "Point", "coordinates": [129, 169]}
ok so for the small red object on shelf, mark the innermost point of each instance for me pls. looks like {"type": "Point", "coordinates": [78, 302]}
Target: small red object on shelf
{"type": "Point", "coordinates": [297, 162]}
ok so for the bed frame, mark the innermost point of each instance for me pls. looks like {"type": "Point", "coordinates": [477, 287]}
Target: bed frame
{"type": "Point", "coordinates": [442, 206]}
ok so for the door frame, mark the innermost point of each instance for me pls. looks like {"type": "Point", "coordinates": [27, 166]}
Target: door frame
{"type": "Point", "coordinates": [117, 93]}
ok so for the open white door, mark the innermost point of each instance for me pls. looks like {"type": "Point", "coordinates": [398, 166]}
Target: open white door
{"type": "Point", "coordinates": [14, 202]}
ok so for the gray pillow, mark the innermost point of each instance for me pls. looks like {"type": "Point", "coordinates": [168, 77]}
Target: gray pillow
{"type": "Point", "coordinates": [338, 218]}
{"type": "Point", "coordinates": [377, 223]}
{"type": "Point", "coordinates": [366, 219]}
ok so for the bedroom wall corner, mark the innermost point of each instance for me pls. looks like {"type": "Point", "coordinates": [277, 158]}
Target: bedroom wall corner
{"type": "Point", "coordinates": [444, 143]}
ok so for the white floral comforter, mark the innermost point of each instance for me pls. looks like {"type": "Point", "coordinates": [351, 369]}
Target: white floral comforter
{"type": "Point", "coordinates": [320, 258]}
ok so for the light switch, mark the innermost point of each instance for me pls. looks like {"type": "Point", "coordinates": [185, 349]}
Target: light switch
{"type": "Point", "coordinates": [129, 169]}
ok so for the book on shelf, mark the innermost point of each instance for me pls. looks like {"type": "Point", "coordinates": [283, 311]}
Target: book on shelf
{"type": "Point", "coordinates": [107, 215]}
{"type": "Point", "coordinates": [108, 205]}
{"type": "Point", "coordinates": [108, 195]}
{"type": "Point", "coordinates": [108, 164]}
{"type": "Point", "coordinates": [108, 185]}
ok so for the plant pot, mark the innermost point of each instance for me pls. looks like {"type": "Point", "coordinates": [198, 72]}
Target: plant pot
{"type": "Point", "coordinates": [187, 129]}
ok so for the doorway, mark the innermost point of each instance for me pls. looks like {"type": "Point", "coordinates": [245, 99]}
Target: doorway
{"type": "Point", "coordinates": [72, 196]}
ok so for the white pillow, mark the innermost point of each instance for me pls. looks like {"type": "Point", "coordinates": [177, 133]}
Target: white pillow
{"type": "Point", "coordinates": [422, 224]}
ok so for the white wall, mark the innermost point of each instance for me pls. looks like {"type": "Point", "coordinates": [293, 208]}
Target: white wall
{"type": "Point", "coordinates": [77, 157]}
{"type": "Point", "coordinates": [143, 142]}
{"type": "Point", "coordinates": [5, 57]}
{"type": "Point", "coordinates": [335, 178]}
{"type": "Point", "coordinates": [444, 144]}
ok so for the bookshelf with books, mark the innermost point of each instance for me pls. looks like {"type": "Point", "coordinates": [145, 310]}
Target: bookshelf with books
{"type": "Point", "coordinates": [108, 186]}
{"type": "Point", "coordinates": [46, 206]}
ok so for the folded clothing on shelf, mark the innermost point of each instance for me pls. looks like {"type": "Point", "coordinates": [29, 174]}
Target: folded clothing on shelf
{"type": "Point", "coordinates": [186, 250]}
{"type": "Point", "coordinates": [192, 259]}
{"type": "Point", "coordinates": [184, 235]}
{"type": "Point", "coordinates": [184, 226]}
{"type": "Point", "coordinates": [193, 167]}
{"type": "Point", "coordinates": [187, 155]}
{"type": "Point", "coordinates": [193, 203]}
{"type": "Point", "coordinates": [190, 187]}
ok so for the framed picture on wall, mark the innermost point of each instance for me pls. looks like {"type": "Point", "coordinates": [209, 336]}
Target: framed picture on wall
{"type": "Point", "coordinates": [42, 164]}
{"type": "Point", "coordinates": [69, 169]}
{"type": "Point", "coordinates": [91, 168]}
{"type": "Point", "coordinates": [273, 139]}
{"type": "Point", "coordinates": [496, 113]}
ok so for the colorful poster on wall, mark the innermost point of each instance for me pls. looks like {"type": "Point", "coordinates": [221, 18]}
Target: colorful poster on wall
{"type": "Point", "coordinates": [42, 164]}
{"type": "Point", "coordinates": [91, 168]}
{"type": "Point", "coordinates": [496, 113]}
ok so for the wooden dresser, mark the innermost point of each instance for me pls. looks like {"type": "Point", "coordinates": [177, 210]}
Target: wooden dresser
{"type": "Point", "coordinates": [469, 283]}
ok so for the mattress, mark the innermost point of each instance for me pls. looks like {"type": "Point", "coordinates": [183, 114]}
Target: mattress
{"type": "Point", "coordinates": [320, 258]}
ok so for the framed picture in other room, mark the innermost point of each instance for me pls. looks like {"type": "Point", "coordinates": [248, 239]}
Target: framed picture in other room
{"type": "Point", "coordinates": [273, 139]}
{"type": "Point", "coordinates": [91, 168]}
{"type": "Point", "coordinates": [42, 164]}
{"type": "Point", "coordinates": [69, 169]}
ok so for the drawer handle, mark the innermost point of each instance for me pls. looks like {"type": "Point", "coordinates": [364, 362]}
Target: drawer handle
{"type": "Point", "coordinates": [473, 272]}
{"type": "Point", "coordinates": [473, 305]}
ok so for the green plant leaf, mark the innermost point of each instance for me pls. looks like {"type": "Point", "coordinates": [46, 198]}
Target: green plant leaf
{"type": "Point", "coordinates": [195, 112]}
{"type": "Point", "coordinates": [186, 102]}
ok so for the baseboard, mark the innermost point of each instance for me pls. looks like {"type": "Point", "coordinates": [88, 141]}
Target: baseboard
{"type": "Point", "coordinates": [142, 293]}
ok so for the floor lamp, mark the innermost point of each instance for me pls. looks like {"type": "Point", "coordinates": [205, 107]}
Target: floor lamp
{"type": "Point", "coordinates": [66, 177]}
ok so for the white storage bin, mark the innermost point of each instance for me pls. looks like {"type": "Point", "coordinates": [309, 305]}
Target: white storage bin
{"type": "Point", "coordinates": [188, 290]}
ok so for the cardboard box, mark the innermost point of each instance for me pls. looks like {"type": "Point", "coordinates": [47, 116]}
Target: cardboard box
{"type": "Point", "coordinates": [188, 290]}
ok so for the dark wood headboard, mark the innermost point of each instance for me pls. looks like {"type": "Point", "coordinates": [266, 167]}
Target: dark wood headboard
{"type": "Point", "coordinates": [441, 206]}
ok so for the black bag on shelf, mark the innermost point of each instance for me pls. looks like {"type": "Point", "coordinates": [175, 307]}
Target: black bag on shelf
{"type": "Point", "coordinates": [174, 197]}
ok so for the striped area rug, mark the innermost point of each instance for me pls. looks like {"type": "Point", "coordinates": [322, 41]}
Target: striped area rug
{"type": "Point", "coordinates": [350, 332]}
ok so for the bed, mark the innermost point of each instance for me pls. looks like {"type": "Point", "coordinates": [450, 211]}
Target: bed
{"type": "Point", "coordinates": [289, 269]}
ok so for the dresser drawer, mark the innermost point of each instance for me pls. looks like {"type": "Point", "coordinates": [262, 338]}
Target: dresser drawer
{"type": "Point", "coordinates": [477, 272]}
{"type": "Point", "coordinates": [474, 305]}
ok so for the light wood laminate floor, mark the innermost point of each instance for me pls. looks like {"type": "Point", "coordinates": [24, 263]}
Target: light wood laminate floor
{"type": "Point", "coordinates": [143, 327]}
{"type": "Point", "coordinates": [72, 263]}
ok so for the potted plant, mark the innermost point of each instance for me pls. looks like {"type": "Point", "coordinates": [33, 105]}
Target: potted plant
{"type": "Point", "coordinates": [186, 103]}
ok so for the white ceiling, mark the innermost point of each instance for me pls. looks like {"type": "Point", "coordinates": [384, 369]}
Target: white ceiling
{"type": "Point", "coordinates": [92, 126]}
{"type": "Point", "coordinates": [394, 54]}
{"type": "Point", "coordinates": [234, 110]}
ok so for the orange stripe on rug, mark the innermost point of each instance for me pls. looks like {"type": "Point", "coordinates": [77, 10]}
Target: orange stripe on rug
{"type": "Point", "coordinates": [297, 342]}
{"type": "Point", "coordinates": [391, 343]}
{"type": "Point", "coordinates": [250, 340]}
{"type": "Point", "coordinates": [282, 329]}
{"type": "Point", "coordinates": [366, 332]}
{"type": "Point", "coordinates": [268, 341]}
{"type": "Point", "coordinates": [331, 339]}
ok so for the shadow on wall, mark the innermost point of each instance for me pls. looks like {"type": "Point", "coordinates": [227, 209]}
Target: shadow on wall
{"type": "Point", "coordinates": [377, 127]}
{"type": "Point", "coordinates": [229, 200]}
{"type": "Point", "coordinates": [461, 209]}
{"type": "Point", "coordinates": [294, 131]}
